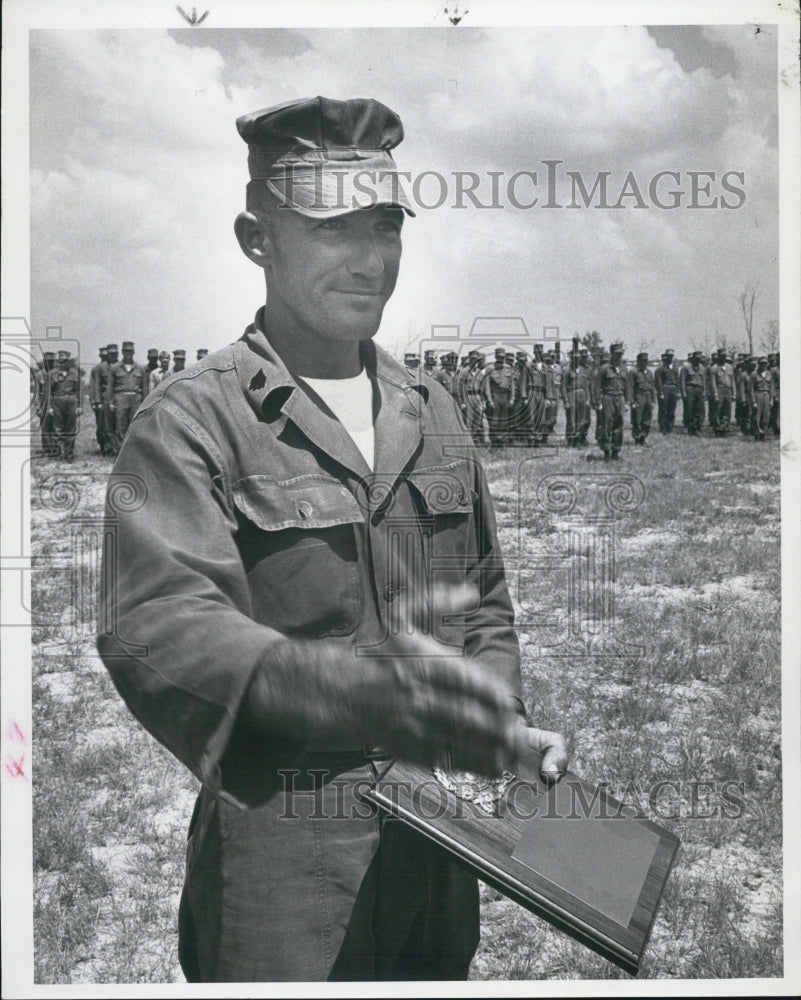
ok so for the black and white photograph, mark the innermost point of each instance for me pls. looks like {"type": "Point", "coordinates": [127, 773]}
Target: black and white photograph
{"type": "Point", "coordinates": [400, 541]}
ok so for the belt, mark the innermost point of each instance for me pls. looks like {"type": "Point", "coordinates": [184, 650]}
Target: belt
{"type": "Point", "coordinates": [127, 392]}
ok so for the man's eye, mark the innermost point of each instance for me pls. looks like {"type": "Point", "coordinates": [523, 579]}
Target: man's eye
{"type": "Point", "coordinates": [333, 224]}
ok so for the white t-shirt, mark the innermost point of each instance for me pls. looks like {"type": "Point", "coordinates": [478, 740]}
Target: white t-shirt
{"type": "Point", "coordinates": [351, 401]}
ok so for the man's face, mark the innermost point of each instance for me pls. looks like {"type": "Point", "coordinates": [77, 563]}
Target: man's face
{"type": "Point", "coordinates": [164, 364]}
{"type": "Point", "coordinates": [127, 356]}
{"type": "Point", "coordinates": [333, 277]}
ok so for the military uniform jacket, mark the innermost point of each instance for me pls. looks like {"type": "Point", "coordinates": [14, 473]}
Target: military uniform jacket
{"type": "Point", "coordinates": [760, 382]}
{"type": "Point", "coordinates": [65, 382]}
{"type": "Point", "coordinates": [573, 380]}
{"type": "Point", "coordinates": [692, 378]}
{"type": "Point", "coordinates": [611, 381]}
{"type": "Point", "coordinates": [722, 379]}
{"type": "Point", "coordinates": [641, 385]}
{"type": "Point", "coordinates": [665, 377]}
{"type": "Point", "coordinates": [502, 381]}
{"type": "Point", "coordinates": [97, 382]}
{"type": "Point", "coordinates": [256, 518]}
{"type": "Point", "coordinates": [122, 380]}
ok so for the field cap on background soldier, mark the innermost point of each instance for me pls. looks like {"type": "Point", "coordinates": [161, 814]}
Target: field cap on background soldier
{"type": "Point", "coordinates": [411, 360]}
{"type": "Point", "coordinates": [202, 352]}
{"type": "Point", "coordinates": [128, 347]}
{"type": "Point", "coordinates": [179, 360]}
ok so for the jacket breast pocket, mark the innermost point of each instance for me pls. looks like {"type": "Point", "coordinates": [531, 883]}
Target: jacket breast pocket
{"type": "Point", "coordinates": [446, 499]}
{"type": "Point", "coordinates": [297, 539]}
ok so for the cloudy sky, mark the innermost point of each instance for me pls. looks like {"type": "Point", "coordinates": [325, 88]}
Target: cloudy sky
{"type": "Point", "coordinates": [137, 173]}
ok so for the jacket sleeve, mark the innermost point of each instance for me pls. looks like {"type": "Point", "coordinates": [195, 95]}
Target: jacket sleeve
{"type": "Point", "coordinates": [174, 627]}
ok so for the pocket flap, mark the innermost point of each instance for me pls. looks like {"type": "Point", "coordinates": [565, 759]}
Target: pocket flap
{"type": "Point", "coordinates": [446, 490]}
{"type": "Point", "coordinates": [305, 502]}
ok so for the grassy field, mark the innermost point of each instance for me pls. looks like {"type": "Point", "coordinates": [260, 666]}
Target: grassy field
{"type": "Point", "coordinates": [696, 587]}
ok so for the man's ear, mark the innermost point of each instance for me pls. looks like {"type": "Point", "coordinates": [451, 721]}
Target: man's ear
{"type": "Point", "coordinates": [253, 238]}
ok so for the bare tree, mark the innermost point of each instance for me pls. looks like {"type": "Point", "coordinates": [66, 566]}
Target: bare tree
{"type": "Point", "coordinates": [746, 300]}
{"type": "Point", "coordinates": [770, 341]}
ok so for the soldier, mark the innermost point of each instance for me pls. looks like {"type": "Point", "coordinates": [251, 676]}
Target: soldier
{"type": "Point", "coordinates": [446, 372]}
{"type": "Point", "coordinates": [412, 361]}
{"type": "Point", "coordinates": [202, 352]}
{"type": "Point", "coordinates": [641, 398]}
{"type": "Point", "coordinates": [761, 394]}
{"type": "Point", "coordinates": [611, 389]}
{"type": "Point", "coordinates": [666, 384]}
{"type": "Point", "coordinates": [538, 380]}
{"type": "Point", "coordinates": [126, 388]}
{"type": "Point", "coordinates": [684, 407]}
{"type": "Point", "coordinates": [692, 385]}
{"type": "Point", "coordinates": [722, 378]}
{"type": "Point", "coordinates": [152, 361]}
{"type": "Point", "coordinates": [501, 387]}
{"type": "Point", "coordinates": [429, 362]}
{"type": "Point", "coordinates": [520, 412]}
{"type": "Point", "coordinates": [178, 361]}
{"type": "Point", "coordinates": [42, 402]}
{"type": "Point", "coordinates": [552, 383]}
{"type": "Point", "coordinates": [576, 399]}
{"type": "Point", "coordinates": [65, 404]}
{"type": "Point", "coordinates": [586, 368]}
{"type": "Point", "coordinates": [773, 367]}
{"type": "Point", "coordinates": [747, 367]}
{"type": "Point", "coordinates": [475, 397]}
{"type": "Point", "coordinates": [98, 378]}
{"type": "Point", "coordinates": [459, 386]}
{"type": "Point", "coordinates": [161, 372]}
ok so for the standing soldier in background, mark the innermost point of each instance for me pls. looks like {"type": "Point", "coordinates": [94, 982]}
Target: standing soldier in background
{"type": "Point", "coordinates": [202, 352]}
{"type": "Point", "coordinates": [45, 413]}
{"type": "Point", "coordinates": [152, 361]}
{"type": "Point", "coordinates": [551, 394]}
{"type": "Point", "coordinates": [744, 394]}
{"type": "Point", "coordinates": [178, 361]}
{"type": "Point", "coordinates": [761, 395]}
{"type": "Point", "coordinates": [98, 377]}
{"type": "Point", "coordinates": [641, 397]}
{"type": "Point", "coordinates": [475, 399]}
{"type": "Point", "coordinates": [666, 384]}
{"type": "Point", "coordinates": [685, 411]}
{"type": "Point", "coordinates": [429, 362]}
{"type": "Point", "coordinates": [126, 388]}
{"type": "Point", "coordinates": [773, 368]}
{"type": "Point", "coordinates": [692, 385]}
{"type": "Point", "coordinates": [444, 374]}
{"type": "Point", "coordinates": [412, 361]}
{"type": "Point", "coordinates": [575, 397]}
{"type": "Point", "coordinates": [501, 388]}
{"type": "Point", "coordinates": [721, 375]}
{"type": "Point", "coordinates": [520, 413]}
{"type": "Point", "coordinates": [586, 368]}
{"type": "Point", "coordinates": [612, 383]}
{"type": "Point", "coordinates": [711, 400]}
{"type": "Point", "coordinates": [161, 372]}
{"type": "Point", "coordinates": [538, 386]}
{"type": "Point", "coordinates": [459, 387]}
{"type": "Point", "coordinates": [65, 404]}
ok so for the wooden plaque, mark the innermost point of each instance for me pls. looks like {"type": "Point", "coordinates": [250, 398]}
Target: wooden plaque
{"type": "Point", "coordinates": [569, 852]}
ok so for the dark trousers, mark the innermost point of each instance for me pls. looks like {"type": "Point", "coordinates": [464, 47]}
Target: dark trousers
{"type": "Point", "coordinates": [774, 418]}
{"type": "Point", "coordinates": [641, 418]}
{"type": "Point", "coordinates": [723, 413]}
{"type": "Point", "coordinates": [694, 408]}
{"type": "Point", "coordinates": [474, 417]}
{"type": "Point", "coordinates": [577, 416]}
{"type": "Point", "coordinates": [125, 406]}
{"type": "Point", "coordinates": [104, 424]}
{"type": "Point", "coordinates": [499, 419]}
{"type": "Point", "coordinates": [303, 891]}
{"type": "Point", "coordinates": [611, 427]}
{"type": "Point", "coordinates": [667, 409]}
{"type": "Point", "coordinates": [65, 424]}
{"type": "Point", "coordinates": [538, 429]}
{"type": "Point", "coordinates": [47, 434]}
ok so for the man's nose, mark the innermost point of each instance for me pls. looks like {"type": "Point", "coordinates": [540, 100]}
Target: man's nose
{"type": "Point", "coordinates": [365, 259]}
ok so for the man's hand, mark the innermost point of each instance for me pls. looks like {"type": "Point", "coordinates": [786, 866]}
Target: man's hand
{"type": "Point", "coordinates": [553, 748]}
{"type": "Point", "coordinates": [413, 696]}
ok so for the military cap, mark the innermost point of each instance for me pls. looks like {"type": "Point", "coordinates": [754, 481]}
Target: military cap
{"type": "Point", "coordinates": [179, 354]}
{"type": "Point", "coordinates": [153, 352]}
{"type": "Point", "coordinates": [604, 355]}
{"type": "Point", "coordinates": [521, 355]}
{"type": "Point", "coordinates": [509, 356]}
{"type": "Point", "coordinates": [616, 347]}
{"type": "Point", "coordinates": [103, 350]}
{"type": "Point", "coordinates": [111, 348]}
{"type": "Point", "coordinates": [500, 352]}
{"type": "Point", "coordinates": [202, 352]}
{"type": "Point", "coordinates": [310, 151]}
{"type": "Point", "coordinates": [127, 345]}
{"type": "Point", "coordinates": [772, 356]}
{"type": "Point", "coordinates": [164, 354]}
{"type": "Point", "coordinates": [63, 352]}
{"type": "Point", "coordinates": [473, 353]}
{"type": "Point", "coordinates": [697, 354]}
{"type": "Point", "coordinates": [642, 356]}
{"type": "Point", "coordinates": [761, 360]}
{"type": "Point", "coordinates": [669, 350]}
{"type": "Point", "coordinates": [49, 354]}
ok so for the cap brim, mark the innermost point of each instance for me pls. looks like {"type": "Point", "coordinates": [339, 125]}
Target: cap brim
{"type": "Point", "coordinates": [324, 193]}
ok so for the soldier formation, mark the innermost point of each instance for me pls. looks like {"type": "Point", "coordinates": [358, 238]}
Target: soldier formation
{"type": "Point", "coordinates": [515, 399]}
{"type": "Point", "coordinates": [116, 389]}
{"type": "Point", "coordinates": [512, 400]}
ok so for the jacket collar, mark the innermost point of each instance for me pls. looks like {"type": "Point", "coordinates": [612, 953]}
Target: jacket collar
{"type": "Point", "coordinates": [400, 403]}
